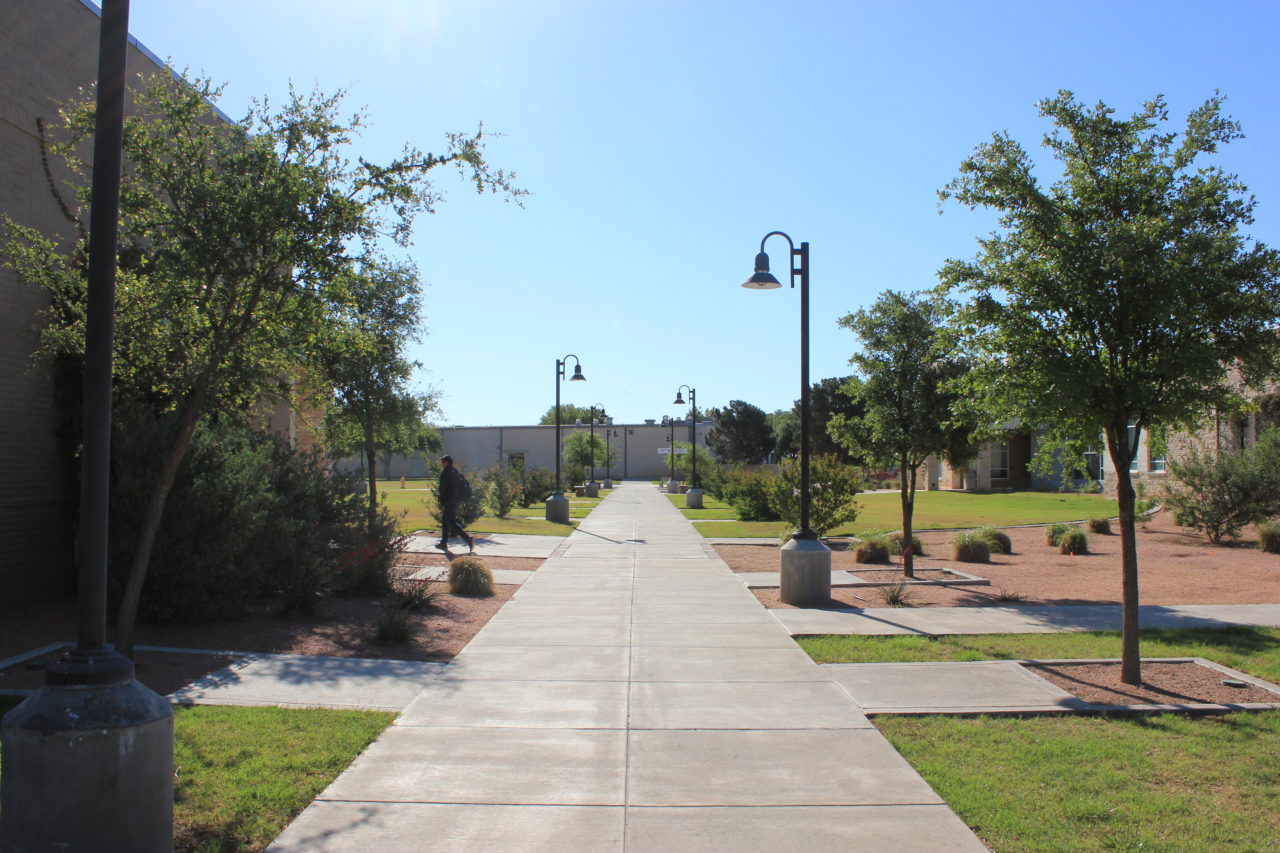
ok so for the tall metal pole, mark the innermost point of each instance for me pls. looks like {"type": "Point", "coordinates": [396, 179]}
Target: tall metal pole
{"type": "Point", "coordinates": [672, 441]}
{"type": "Point", "coordinates": [591, 431]}
{"type": "Point", "coordinates": [805, 418]}
{"type": "Point", "coordinates": [559, 376]}
{"type": "Point", "coordinates": [693, 434]}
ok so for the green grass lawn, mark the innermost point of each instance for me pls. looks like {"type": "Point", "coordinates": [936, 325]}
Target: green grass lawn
{"type": "Point", "coordinates": [243, 773]}
{"type": "Point", "coordinates": [1162, 783]}
{"type": "Point", "coordinates": [1252, 650]}
{"type": "Point", "coordinates": [711, 508]}
{"type": "Point", "coordinates": [416, 507]}
{"type": "Point", "coordinates": [882, 511]}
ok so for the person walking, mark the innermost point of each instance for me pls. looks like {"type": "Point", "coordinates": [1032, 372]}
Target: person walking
{"type": "Point", "coordinates": [451, 492]}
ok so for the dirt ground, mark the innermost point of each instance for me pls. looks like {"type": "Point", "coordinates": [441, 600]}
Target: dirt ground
{"type": "Point", "coordinates": [1174, 566]}
{"type": "Point", "coordinates": [343, 628]}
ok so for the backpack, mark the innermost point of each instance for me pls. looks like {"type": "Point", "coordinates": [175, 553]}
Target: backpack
{"type": "Point", "coordinates": [466, 487]}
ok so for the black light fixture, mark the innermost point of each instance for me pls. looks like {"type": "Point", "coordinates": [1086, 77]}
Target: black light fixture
{"type": "Point", "coordinates": [762, 279]}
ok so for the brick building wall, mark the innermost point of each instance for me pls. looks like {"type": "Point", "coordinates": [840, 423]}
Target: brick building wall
{"type": "Point", "coordinates": [48, 52]}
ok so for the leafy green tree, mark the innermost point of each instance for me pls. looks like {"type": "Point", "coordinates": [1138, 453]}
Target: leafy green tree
{"type": "Point", "coordinates": [785, 424]}
{"type": "Point", "coordinates": [569, 414]}
{"type": "Point", "coordinates": [826, 400]}
{"type": "Point", "coordinates": [582, 449]}
{"type": "Point", "coordinates": [909, 409]}
{"type": "Point", "coordinates": [1122, 295]}
{"type": "Point", "coordinates": [230, 234]}
{"type": "Point", "coordinates": [373, 313]}
{"type": "Point", "coordinates": [741, 434]}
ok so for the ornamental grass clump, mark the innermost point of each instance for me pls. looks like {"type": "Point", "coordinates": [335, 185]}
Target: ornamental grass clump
{"type": "Point", "coordinates": [1101, 526]}
{"type": "Point", "coordinates": [970, 547]}
{"type": "Point", "coordinates": [1074, 541]}
{"type": "Point", "coordinates": [1054, 532]}
{"type": "Point", "coordinates": [895, 595]}
{"type": "Point", "coordinates": [1269, 536]}
{"type": "Point", "coordinates": [470, 576]}
{"type": "Point", "coordinates": [895, 544]}
{"type": "Point", "coordinates": [396, 624]}
{"type": "Point", "coordinates": [873, 550]}
{"type": "Point", "coordinates": [997, 540]}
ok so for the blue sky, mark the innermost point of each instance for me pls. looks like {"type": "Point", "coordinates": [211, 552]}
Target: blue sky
{"type": "Point", "coordinates": [662, 140]}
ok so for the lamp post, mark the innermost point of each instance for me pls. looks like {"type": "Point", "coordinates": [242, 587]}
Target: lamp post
{"type": "Point", "coordinates": [806, 562]}
{"type": "Point", "coordinates": [558, 504]}
{"type": "Point", "coordinates": [693, 497]}
{"type": "Point", "coordinates": [593, 488]}
{"type": "Point", "coordinates": [673, 485]}
{"type": "Point", "coordinates": [88, 759]}
{"type": "Point", "coordinates": [609, 432]}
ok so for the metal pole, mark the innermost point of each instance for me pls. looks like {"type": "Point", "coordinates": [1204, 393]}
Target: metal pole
{"type": "Point", "coordinates": [559, 374]}
{"type": "Point", "coordinates": [693, 434]}
{"type": "Point", "coordinates": [803, 254]}
{"type": "Point", "coordinates": [672, 441]}
{"type": "Point", "coordinates": [591, 431]}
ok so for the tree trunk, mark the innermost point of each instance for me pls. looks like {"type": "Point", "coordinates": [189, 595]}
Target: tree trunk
{"type": "Point", "coordinates": [908, 492]}
{"type": "Point", "coordinates": [1121, 455]}
{"type": "Point", "coordinates": [127, 616]}
{"type": "Point", "coordinates": [372, 455]}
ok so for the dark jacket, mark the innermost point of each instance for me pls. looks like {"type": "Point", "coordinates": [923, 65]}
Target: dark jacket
{"type": "Point", "coordinates": [453, 486]}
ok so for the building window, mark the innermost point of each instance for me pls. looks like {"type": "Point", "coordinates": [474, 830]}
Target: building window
{"type": "Point", "coordinates": [1132, 437]}
{"type": "Point", "coordinates": [1157, 464]}
{"type": "Point", "coordinates": [1000, 461]}
{"type": "Point", "coordinates": [515, 460]}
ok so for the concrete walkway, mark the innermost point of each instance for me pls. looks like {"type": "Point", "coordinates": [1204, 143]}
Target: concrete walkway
{"type": "Point", "coordinates": [632, 696]}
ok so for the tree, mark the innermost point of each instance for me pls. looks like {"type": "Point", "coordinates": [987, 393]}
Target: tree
{"type": "Point", "coordinates": [230, 234]}
{"type": "Point", "coordinates": [909, 409]}
{"type": "Point", "coordinates": [374, 312]}
{"type": "Point", "coordinates": [1123, 296]}
{"type": "Point", "coordinates": [741, 433]}
{"type": "Point", "coordinates": [570, 413]}
{"type": "Point", "coordinates": [826, 400]}
{"type": "Point", "coordinates": [1219, 492]}
{"type": "Point", "coordinates": [583, 449]}
{"type": "Point", "coordinates": [785, 424]}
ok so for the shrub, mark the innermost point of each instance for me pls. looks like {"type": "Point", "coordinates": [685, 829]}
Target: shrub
{"type": "Point", "coordinates": [470, 576]}
{"type": "Point", "coordinates": [502, 490]}
{"type": "Point", "coordinates": [1074, 541]}
{"type": "Point", "coordinates": [748, 493]}
{"type": "Point", "coordinates": [969, 547]}
{"type": "Point", "coordinates": [1054, 533]}
{"type": "Point", "coordinates": [894, 541]}
{"type": "Point", "coordinates": [896, 594]}
{"type": "Point", "coordinates": [873, 550]}
{"type": "Point", "coordinates": [1221, 493]}
{"type": "Point", "coordinates": [1101, 526]}
{"type": "Point", "coordinates": [248, 517]}
{"type": "Point", "coordinates": [832, 488]}
{"type": "Point", "coordinates": [415, 594]}
{"type": "Point", "coordinates": [396, 625]}
{"type": "Point", "coordinates": [1269, 536]}
{"type": "Point", "coordinates": [1008, 595]}
{"type": "Point", "coordinates": [997, 540]}
{"type": "Point", "coordinates": [536, 485]}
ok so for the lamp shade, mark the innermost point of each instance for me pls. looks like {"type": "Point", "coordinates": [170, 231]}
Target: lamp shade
{"type": "Point", "coordinates": [762, 279]}
{"type": "Point", "coordinates": [679, 401]}
{"type": "Point", "coordinates": [577, 374]}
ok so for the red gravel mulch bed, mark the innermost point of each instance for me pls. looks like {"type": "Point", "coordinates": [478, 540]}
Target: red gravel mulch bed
{"type": "Point", "coordinates": [1163, 683]}
{"type": "Point", "coordinates": [1175, 567]}
{"type": "Point", "coordinates": [344, 627]}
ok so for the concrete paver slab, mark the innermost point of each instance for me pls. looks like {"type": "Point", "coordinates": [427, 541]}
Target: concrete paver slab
{"type": "Point", "coordinates": [706, 665]}
{"type": "Point", "coordinates": [499, 765]}
{"type": "Point", "coordinates": [520, 704]}
{"type": "Point", "coordinates": [799, 829]}
{"type": "Point", "coordinates": [515, 611]}
{"type": "Point", "coordinates": [541, 663]}
{"type": "Point", "coordinates": [515, 633]}
{"type": "Point", "coordinates": [910, 687]}
{"type": "Point", "coordinates": [309, 681]}
{"type": "Point", "coordinates": [743, 705]}
{"type": "Point", "coordinates": [729, 635]}
{"type": "Point", "coordinates": [768, 580]}
{"type": "Point", "coordinates": [342, 827]}
{"type": "Point", "coordinates": [748, 613]}
{"type": "Point", "coordinates": [776, 768]}
{"type": "Point", "coordinates": [573, 596]}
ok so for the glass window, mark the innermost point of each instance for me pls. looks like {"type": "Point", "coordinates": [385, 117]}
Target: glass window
{"type": "Point", "coordinates": [1000, 461]}
{"type": "Point", "coordinates": [1132, 435]}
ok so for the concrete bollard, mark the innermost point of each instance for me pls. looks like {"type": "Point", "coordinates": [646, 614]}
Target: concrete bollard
{"type": "Point", "coordinates": [806, 573]}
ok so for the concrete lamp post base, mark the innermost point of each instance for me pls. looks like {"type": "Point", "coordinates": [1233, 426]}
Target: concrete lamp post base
{"type": "Point", "coordinates": [806, 573]}
{"type": "Point", "coordinates": [693, 499]}
{"type": "Point", "coordinates": [558, 508]}
{"type": "Point", "coordinates": [88, 768]}
{"type": "Point", "coordinates": [608, 484]}
{"type": "Point", "coordinates": [673, 486]}
{"type": "Point", "coordinates": [593, 489]}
